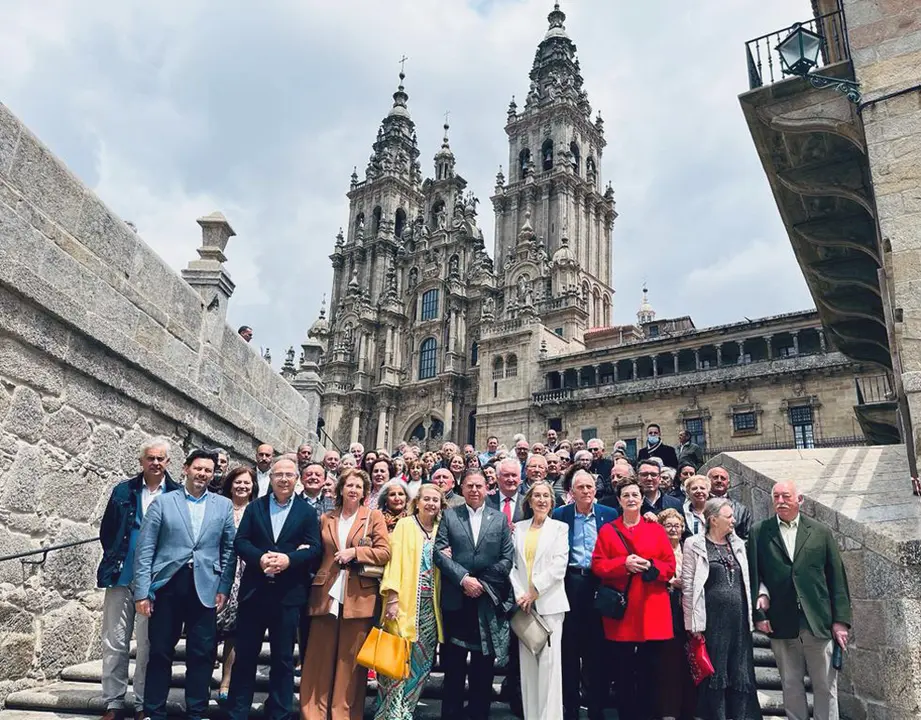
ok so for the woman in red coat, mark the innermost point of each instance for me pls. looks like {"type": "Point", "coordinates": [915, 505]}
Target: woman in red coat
{"type": "Point", "coordinates": [647, 562]}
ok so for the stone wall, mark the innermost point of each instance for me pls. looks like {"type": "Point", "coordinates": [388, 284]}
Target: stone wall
{"type": "Point", "coordinates": [863, 495]}
{"type": "Point", "coordinates": [101, 345]}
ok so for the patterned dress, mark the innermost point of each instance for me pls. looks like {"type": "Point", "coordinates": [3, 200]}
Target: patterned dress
{"type": "Point", "coordinates": [227, 617]}
{"type": "Point", "coordinates": [398, 698]}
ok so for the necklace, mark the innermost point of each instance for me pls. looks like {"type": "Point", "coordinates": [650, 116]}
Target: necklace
{"type": "Point", "coordinates": [427, 533]}
{"type": "Point", "coordinates": [727, 560]}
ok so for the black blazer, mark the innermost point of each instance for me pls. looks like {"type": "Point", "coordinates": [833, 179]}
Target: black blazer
{"type": "Point", "coordinates": [255, 538]}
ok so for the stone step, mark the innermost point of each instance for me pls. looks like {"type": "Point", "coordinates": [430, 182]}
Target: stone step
{"type": "Point", "coordinates": [71, 700]}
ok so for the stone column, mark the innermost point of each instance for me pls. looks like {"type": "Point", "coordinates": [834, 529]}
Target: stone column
{"type": "Point", "coordinates": [719, 355]}
{"type": "Point", "coordinates": [614, 365]}
{"type": "Point", "coordinates": [449, 417]}
{"type": "Point", "coordinates": [597, 370]}
{"type": "Point", "coordinates": [382, 428]}
{"type": "Point", "coordinates": [675, 360]}
{"type": "Point", "coordinates": [655, 366]}
{"type": "Point", "coordinates": [795, 335]}
{"type": "Point", "coordinates": [741, 344]}
{"type": "Point", "coordinates": [356, 427]}
{"type": "Point", "coordinates": [822, 345]}
{"type": "Point", "coordinates": [767, 340]}
{"type": "Point", "coordinates": [634, 369]}
{"type": "Point", "coordinates": [696, 358]}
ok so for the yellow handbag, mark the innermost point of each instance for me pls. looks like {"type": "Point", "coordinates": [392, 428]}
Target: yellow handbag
{"type": "Point", "coordinates": [386, 654]}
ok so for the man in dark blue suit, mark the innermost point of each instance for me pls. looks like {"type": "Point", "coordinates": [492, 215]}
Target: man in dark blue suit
{"type": "Point", "coordinates": [649, 473]}
{"type": "Point", "coordinates": [583, 636]}
{"type": "Point", "coordinates": [279, 540]}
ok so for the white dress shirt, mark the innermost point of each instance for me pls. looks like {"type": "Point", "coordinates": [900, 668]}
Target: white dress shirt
{"type": "Point", "coordinates": [337, 591]}
{"type": "Point", "coordinates": [263, 481]}
{"type": "Point", "coordinates": [512, 503]}
{"type": "Point", "coordinates": [148, 496]}
{"type": "Point", "coordinates": [476, 520]}
{"type": "Point", "coordinates": [788, 534]}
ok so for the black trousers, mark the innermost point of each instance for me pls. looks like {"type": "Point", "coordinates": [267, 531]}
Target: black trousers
{"type": "Point", "coordinates": [511, 683]}
{"type": "Point", "coordinates": [635, 678]}
{"type": "Point", "coordinates": [584, 652]}
{"type": "Point", "coordinates": [303, 635]}
{"type": "Point", "coordinates": [479, 675]}
{"type": "Point", "coordinates": [176, 607]}
{"type": "Point", "coordinates": [261, 612]}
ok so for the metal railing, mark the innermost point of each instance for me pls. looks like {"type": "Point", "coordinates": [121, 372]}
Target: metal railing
{"type": "Point", "coordinates": [43, 551]}
{"type": "Point", "coordinates": [874, 389]}
{"type": "Point", "coordinates": [832, 442]}
{"type": "Point", "coordinates": [764, 66]}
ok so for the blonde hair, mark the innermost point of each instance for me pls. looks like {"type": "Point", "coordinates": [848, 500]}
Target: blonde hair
{"type": "Point", "coordinates": [414, 503]}
{"type": "Point", "coordinates": [528, 512]}
{"type": "Point", "coordinates": [694, 478]}
{"type": "Point", "coordinates": [670, 513]}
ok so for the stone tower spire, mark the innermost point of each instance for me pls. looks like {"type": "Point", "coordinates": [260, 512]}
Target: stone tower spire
{"type": "Point", "coordinates": [395, 151]}
{"type": "Point", "coordinates": [444, 158]}
{"type": "Point", "coordinates": [645, 314]}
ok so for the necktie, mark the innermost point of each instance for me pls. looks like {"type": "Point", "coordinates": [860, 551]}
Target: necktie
{"type": "Point", "coordinates": [507, 510]}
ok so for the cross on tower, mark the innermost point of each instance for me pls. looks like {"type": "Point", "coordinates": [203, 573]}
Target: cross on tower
{"type": "Point", "coordinates": [403, 63]}
{"type": "Point", "coordinates": [447, 112]}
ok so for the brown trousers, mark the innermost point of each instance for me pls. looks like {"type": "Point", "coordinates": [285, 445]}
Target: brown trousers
{"type": "Point", "coordinates": [333, 685]}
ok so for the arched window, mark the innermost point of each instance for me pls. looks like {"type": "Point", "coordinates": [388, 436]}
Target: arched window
{"type": "Point", "coordinates": [524, 163]}
{"type": "Point", "coordinates": [360, 221]}
{"type": "Point", "coordinates": [606, 311]}
{"type": "Point", "coordinates": [511, 366]}
{"type": "Point", "coordinates": [591, 173]}
{"type": "Point", "coordinates": [428, 358]}
{"type": "Point", "coordinates": [575, 158]}
{"type": "Point", "coordinates": [399, 222]}
{"type": "Point", "coordinates": [430, 304]}
{"type": "Point", "coordinates": [375, 221]}
{"type": "Point", "coordinates": [546, 154]}
{"type": "Point", "coordinates": [438, 214]}
{"type": "Point", "coordinates": [474, 353]}
{"type": "Point", "coordinates": [498, 368]}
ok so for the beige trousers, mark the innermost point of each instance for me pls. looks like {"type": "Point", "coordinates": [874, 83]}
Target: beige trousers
{"type": "Point", "coordinates": [797, 657]}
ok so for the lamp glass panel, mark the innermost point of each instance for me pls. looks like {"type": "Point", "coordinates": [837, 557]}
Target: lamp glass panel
{"type": "Point", "coordinates": [800, 50]}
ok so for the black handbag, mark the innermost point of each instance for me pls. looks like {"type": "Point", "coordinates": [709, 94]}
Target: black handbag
{"type": "Point", "coordinates": [611, 602]}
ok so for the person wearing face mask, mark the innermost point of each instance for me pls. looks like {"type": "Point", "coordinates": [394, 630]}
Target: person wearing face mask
{"type": "Point", "coordinates": [656, 448]}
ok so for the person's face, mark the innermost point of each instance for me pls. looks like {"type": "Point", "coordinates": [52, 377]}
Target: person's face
{"type": "Point", "coordinates": [304, 454]}
{"type": "Point", "coordinates": [443, 479]}
{"type": "Point", "coordinates": [331, 461]}
{"type": "Point", "coordinates": [631, 499]}
{"type": "Point", "coordinates": [553, 465]}
{"type": "Point", "coordinates": [665, 482]}
{"type": "Point", "coordinates": [787, 501]}
{"type": "Point", "coordinates": [719, 482]}
{"type": "Point", "coordinates": [492, 445]}
{"type": "Point", "coordinates": [538, 449]}
{"type": "Point", "coordinates": [312, 479]}
{"type": "Point", "coordinates": [584, 459]}
{"type": "Point", "coordinates": [653, 432]}
{"type": "Point", "coordinates": [674, 528]}
{"type": "Point", "coordinates": [536, 469]}
{"type": "Point", "coordinates": [578, 444]}
{"type": "Point", "coordinates": [457, 465]}
{"type": "Point", "coordinates": [222, 462]}
{"type": "Point", "coordinates": [565, 460]}
{"type": "Point", "coordinates": [242, 487]}
{"type": "Point", "coordinates": [348, 461]}
{"type": "Point", "coordinates": [541, 501]}
{"type": "Point", "coordinates": [491, 478]}
{"type": "Point", "coordinates": [683, 437]}
{"type": "Point", "coordinates": [415, 472]}
{"type": "Point", "coordinates": [329, 487]}
{"type": "Point", "coordinates": [474, 490]}
{"type": "Point", "coordinates": [246, 334]}
{"type": "Point", "coordinates": [596, 450]}
{"type": "Point", "coordinates": [698, 492]}
{"type": "Point", "coordinates": [521, 450]}
{"type": "Point", "coordinates": [380, 474]}
{"type": "Point", "coordinates": [428, 462]}
{"type": "Point", "coordinates": [370, 459]}
{"type": "Point", "coordinates": [396, 499]}
{"type": "Point", "coordinates": [398, 465]}
{"type": "Point", "coordinates": [723, 523]}
{"type": "Point", "coordinates": [619, 471]}
{"type": "Point", "coordinates": [448, 452]}
{"type": "Point", "coordinates": [686, 472]}
{"type": "Point", "coordinates": [509, 479]}
{"type": "Point", "coordinates": [551, 437]}
{"type": "Point", "coordinates": [353, 491]}
{"type": "Point", "coordinates": [154, 462]}
{"type": "Point", "coordinates": [583, 490]}
{"type": "Point", "coordinates": [649, 478]}
{"type": "Point", "coordinates": [428, 503]}
{"type": "Point", "coordinates": [284, 476]}
{"type": "Point", "coordinates": [197, 475]}
{"type": "Point", "coordinates": [357, 451]}
{"type": "Point", "coordinates": [469, 451]}
{"type": "Point", "coordinates": [264, 455]}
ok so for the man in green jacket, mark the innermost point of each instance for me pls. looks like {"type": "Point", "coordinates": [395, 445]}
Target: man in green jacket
{"type": "Point", "coordinates": [801, 601]}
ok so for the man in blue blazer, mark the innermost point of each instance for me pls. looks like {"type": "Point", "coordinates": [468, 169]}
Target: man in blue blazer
{"type": "Point", "coordinates": [279, 540]}
{"type": "Point", "coordinates": [183, 569]}
{"type": "Point", "coordinates": [584, 659]}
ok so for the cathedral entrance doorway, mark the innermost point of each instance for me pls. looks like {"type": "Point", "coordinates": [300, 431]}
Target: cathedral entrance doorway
{"type": "Point", "coordinates": [428, 433]}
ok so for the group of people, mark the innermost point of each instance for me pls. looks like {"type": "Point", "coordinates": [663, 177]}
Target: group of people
{"type": "Point", "coordinates": [443, 549]}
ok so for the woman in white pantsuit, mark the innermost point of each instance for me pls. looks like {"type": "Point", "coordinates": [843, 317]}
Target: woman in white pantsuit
{"type": "Point", "coordinates": [541, 555]}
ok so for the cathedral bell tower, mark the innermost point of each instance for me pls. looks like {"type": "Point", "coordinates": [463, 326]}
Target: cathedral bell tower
{"type": "Point", "coordinates": [554, 183]}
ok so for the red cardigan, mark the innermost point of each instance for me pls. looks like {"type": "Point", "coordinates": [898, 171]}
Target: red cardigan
{"type": "Point", "coordinates": [649, 612]}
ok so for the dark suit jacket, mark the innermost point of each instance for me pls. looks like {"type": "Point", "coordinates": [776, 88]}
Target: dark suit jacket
{"type": "Point", "coordinates": [495, 502]}
{"type": "Point", "coordinates": [663, 503]}
{"type": "Point", "coordinates": [814, 578]}
{"type": "Point", "coordinates": [662, 451]}
{"type": "Point", "coordinates": [492, 555]}
{"type": "Point", "coordinates": [567, 514]}
{"type": "Point", "coordinates": [255, 538]}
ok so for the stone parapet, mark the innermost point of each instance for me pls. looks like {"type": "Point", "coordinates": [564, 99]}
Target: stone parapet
{"type": "Point", "coordinates": [864, 495]}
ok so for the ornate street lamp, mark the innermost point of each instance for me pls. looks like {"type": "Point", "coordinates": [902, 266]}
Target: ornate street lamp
{"type": "Point", "coordinates": [799, 54]}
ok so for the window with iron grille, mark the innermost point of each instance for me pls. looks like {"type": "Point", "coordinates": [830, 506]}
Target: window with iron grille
{"type": "Point", "coordinates": [695, 427]}
{"type": "Point", "coordinates": [430, 305]}
{"type": "Point", "coordinates": [742, 421]}
{"type": "Point", "coordinates": [428, 357]}
{"type": "Point", "coordinates": [803, 427]}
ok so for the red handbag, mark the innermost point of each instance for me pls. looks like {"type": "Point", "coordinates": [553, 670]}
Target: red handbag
{"type": "Point", "coordinates": [698, 659]}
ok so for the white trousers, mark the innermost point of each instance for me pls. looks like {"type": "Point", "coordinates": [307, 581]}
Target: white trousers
{"type": "Point", "coordinates": [795, 658]}
{"type": "Point", "coordinates": [542, 676]}
{"type": "Point", "coordinates": [119, 621]}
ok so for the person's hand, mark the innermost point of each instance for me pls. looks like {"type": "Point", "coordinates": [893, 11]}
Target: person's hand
{"type": "Point", "coordinates": [636, 564]}
{"type": "Point", "coordinates": [393, 610]}
{"type": "Point", "coordinates": [144, 607]}
{"type": "Point", "coordinates": [280, 562]}
{"type": "Point", "coordinates": [763, 603]}
{"type": "Point", "coordinates": [675, 582]}
{"type": "Point", "coordinates": [525, 602]}
{"type": "Point", "coordinates": [344, 557]}
{"type": "Point", "coordinates": [446, 552]}
{"type": "Point", "coordinates": [471, 587]}
{"type": "Point", "coordinates": [219, 601]}
{"type": "Point", "coordinates": [651, 517]}
{"type": "Point", "coordinates": [696, 635]}
{"type": "Point", "coordinates": [764, 626]}
{"type": "Point", "coordinates": [265, 561]}
{"type": "Point", "coordinates": [840, 632]}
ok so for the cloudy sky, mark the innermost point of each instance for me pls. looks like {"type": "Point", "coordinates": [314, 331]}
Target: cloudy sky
{"type": "Point", "coordinates": [173, 109]}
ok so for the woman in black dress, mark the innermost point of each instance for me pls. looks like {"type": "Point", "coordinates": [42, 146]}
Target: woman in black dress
{"type": "Point", "coordinates": [716, 598]}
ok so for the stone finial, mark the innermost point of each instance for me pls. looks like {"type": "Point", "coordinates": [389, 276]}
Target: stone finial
{"type": "Point", "coordinates": [215, 232]}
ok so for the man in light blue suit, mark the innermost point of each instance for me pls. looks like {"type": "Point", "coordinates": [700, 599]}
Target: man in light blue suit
{"type": "Point", "coordinates": [183, 569]}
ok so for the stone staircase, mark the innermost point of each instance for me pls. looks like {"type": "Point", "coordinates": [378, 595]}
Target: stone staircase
{"type": "Point", "coordinates": [77, 694]}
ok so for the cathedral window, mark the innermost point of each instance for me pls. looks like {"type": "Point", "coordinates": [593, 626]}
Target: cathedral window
{"type": "Point", "coordinates": [399, 222]}
{"type": "Point", "coordinates": [498, 368]}
{"type": "Point", "coordinates": [428, 358]}
{"type": "Point", "coordinates": [546, 155]}
{"type": "Point", "coordinates": [376, 221]}
{"type": "Point", "coordinates": [575, 157]}
{"type": "Point", "coordinates": [511, 366]}
{"type": "Point", "coordinates": [474, 354]}
{"type": "Point", "coordinates": [430, 305]}
{"type": "Point", "coordinates": [524, 163]}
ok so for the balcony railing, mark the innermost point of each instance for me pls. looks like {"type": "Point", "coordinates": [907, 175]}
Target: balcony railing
{"type": "Point", "coordinates": [558, 395]}
{"type": "Point", "coordinates": [764, 66]}
{"type": "Point", "coordinates": [874, 389]}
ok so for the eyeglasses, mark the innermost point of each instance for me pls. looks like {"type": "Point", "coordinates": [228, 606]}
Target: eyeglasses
{"type": "Point", "coordinates": [648, 474]}
{"type": "Point", "coordinates": [284, 476]}
{"type": "Point", "coordinates": [672, 526]}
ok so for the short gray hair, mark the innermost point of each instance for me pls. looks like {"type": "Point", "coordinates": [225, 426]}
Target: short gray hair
{"type": "Point", "coordinates": [713, 507]}
{"type": "Point", "coordinates": [156, 441]}
{"type": "Point", "coordinates": [508, 461]}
